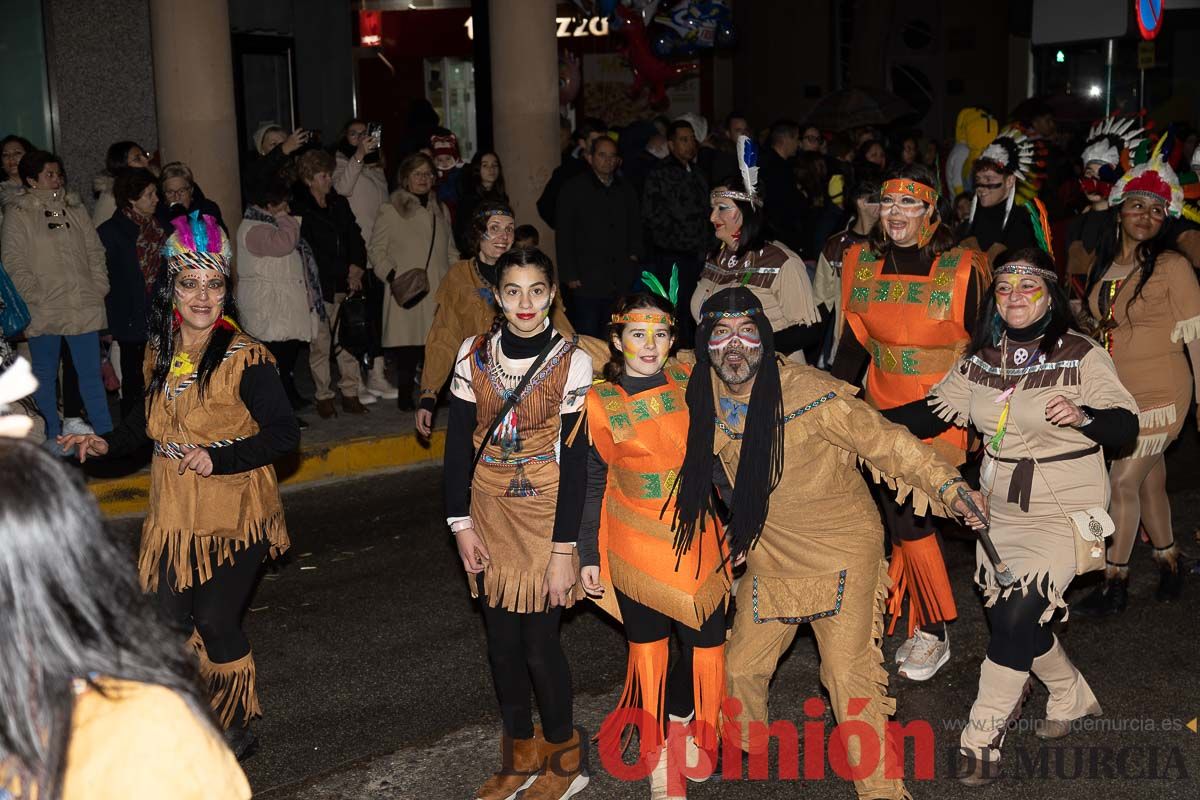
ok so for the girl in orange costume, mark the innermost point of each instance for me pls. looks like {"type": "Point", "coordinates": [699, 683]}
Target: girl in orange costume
{"type": "Point", "coordinates": [631, 563]}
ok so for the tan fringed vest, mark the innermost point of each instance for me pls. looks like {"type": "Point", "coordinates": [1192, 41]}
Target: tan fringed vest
{"type": "Point", "coordinates": [211, 518]}
{"type": "Point", "coordinates": [514, 492]}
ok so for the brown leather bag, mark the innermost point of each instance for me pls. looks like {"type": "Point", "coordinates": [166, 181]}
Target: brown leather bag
{"type": "Point", "coordinates": [411, 286]}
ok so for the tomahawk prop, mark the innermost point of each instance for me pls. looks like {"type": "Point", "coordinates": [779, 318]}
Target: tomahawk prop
{"type": "Point", "coordinates": [1004, 575]}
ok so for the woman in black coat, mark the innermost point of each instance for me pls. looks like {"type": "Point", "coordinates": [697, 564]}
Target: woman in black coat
{"type": "Point", "coordinates": [180, 195]}
{"type": "Point", "coordinates": [132, 239]}
{"type": "Point", "coordinates": [337, 245]}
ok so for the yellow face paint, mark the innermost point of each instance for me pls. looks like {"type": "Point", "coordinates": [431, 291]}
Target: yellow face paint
{"type": "Point", "coordinates": [1038, 295]}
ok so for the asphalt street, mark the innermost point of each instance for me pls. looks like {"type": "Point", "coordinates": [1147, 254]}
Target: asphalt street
{"type": "Point", "coordinates": [374, 682]}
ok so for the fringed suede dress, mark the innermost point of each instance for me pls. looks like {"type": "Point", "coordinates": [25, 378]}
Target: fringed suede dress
{"type": "Point", "coordinates": [205, 537]}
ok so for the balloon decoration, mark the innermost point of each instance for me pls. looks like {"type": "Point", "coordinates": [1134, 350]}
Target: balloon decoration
{"type": "Point", "coordinates": [569, 77]}
{"type": "Point", "coordinates": [689, 26]}
{"type": "Point", "coordinates": [648, 69]}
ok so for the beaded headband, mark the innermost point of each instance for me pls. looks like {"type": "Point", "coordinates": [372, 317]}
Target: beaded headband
{"type": "Point", "coordinates": [641, 316]}
{"type": "Point", "coordinates": [749, 312]}
{"type": "Point", "coordinates": [924, 193]}
{"type": "Point", "coordinates": [197, 242]}
{"type": "Point", "coordinates": [1017, 268]}
{"type": "Point", "coordinates": [732, 195]}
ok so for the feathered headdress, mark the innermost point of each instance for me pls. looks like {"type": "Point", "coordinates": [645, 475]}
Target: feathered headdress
{"type": "Point", "coordinates": [1111, 139]}
{"type": "Point", "coordinates": [1154, 178]}
{"type": "Point", "coordinates": [197, 243]}
{"type": "Point", "coordinates": [1012, 153]}
{"type": "Point", "coordinates": [748, 164]}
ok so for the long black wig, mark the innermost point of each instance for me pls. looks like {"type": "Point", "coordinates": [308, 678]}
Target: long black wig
{"type": "Point", "coordinates": [760, 466]}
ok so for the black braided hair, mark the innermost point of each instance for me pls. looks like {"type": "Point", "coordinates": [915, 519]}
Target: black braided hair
{"type": "Point", "coordinates": [760, 466]}
{"type": "Point", "coordinates": [634, 301]}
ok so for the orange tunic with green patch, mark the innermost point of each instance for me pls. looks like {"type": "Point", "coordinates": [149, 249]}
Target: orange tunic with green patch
{"type": "Point", "coordinates": [642, 439]}
{"type": "Point", "coordinates": [912, 326]}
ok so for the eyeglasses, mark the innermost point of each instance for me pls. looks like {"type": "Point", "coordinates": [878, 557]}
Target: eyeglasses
{"type": "Point", "coordinates": [421, 174]}
{"type": "Point", "coordinates": [192, 286]}
{"type": "Point", "coordinates": [812, 138]}
{"type": "Point", "coordinates": [988, 186]}
{"type": "Point", "coordinates": [173, 194]}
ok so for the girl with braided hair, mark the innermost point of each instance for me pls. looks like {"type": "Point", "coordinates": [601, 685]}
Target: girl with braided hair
{"type": "Point", "coordinates": [634, 567]}
{"type": "Point", "coordinates": [218, 417]}
{"type": "Point", "coordinates": [514, 476]}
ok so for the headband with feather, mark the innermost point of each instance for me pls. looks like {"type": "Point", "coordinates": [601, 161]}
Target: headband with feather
{"type": "Point", "coordinates": [747, 155]}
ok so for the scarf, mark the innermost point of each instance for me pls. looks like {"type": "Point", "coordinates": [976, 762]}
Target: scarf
{"type": "Point", "coordinates": [316, 303]}
{"type": "Point", "coordinates": [149, 244]}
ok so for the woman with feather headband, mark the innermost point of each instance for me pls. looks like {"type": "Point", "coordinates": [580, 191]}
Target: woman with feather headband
{"type": "Point", "coordinates": [219, 417]}
{"type": "Point", "coordinates": [1143, 304]}
{"type": "Point", "coordinates": [631, 563]}
{"type": "Point", "coordinates": [909, 301]}
{"type": "Point", "coordinates": [789, 439]}
{"type": "Point", "coordinates": [746, 257]}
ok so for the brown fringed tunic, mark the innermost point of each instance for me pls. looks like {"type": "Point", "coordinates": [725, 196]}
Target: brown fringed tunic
{"type": "Point", "coordinates": [208, 519]}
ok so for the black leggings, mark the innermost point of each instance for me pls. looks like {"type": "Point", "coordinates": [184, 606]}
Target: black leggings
{"type": "Point", "coordinates": [1017, 638]}
{"type": "Point", "coordinates": [214, 608]}
{"type": "Point", "coordinates": [643, 625]}
{"type": "Point", "coordinates": [526, 656]}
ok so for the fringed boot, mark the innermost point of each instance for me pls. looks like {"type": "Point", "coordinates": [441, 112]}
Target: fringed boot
{"type": "Point", "coordinates": [1071, 698]}
{"type": "Point", "coordinates": [1170, 574]}
{"type": "Point", "coordinates": [642, 707]}
{"type": "Point", "coordinates": [1002, 691]}
{"type": "Point", "coordinates": [1109, 598]}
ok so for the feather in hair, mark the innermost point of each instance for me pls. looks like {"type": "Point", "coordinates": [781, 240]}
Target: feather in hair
{"type": "Point", "coordinates": [748, 164]}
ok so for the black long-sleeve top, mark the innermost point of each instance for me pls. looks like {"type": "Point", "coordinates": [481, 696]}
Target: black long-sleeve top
{"type": "Point", "coordinates": [263, 394]}
{"type": "Point", "coordinates": [597, 479]}
{"type": "Point", "coordinates": [460, 450]}
{"type": "Point", "coordinates": [851, 361]}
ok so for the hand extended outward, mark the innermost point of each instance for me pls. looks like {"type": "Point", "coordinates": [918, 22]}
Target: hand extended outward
{"type": "Point", "coordinates": [83, 444]}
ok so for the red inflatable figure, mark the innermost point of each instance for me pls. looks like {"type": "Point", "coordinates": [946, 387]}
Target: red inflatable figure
{"type": "Point", "coordinates": [648, 69]}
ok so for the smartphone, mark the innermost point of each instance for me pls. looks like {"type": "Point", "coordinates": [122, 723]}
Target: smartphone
{"type": "Point", "coordinates": [375, 131]}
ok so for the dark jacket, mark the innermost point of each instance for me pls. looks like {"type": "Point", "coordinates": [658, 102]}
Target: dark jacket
{"type": "Point", "coordinates": [675, 207]}
{"type": "Point", "coordinates": [335, 239]}
{"type": "Point", "coordinates": [599, 235]}
{"type": "Point", "coordinates": [785, 206]}
{"type": "Point", "coordinates": [128, 300]}
{"type": "Point", "coordinates": [206, 207]}
{"type": "Point", "coordinates": [547, 204]}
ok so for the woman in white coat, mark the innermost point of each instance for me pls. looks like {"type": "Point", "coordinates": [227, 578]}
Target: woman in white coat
{"type": "Point", "coordinates": [277, 291]}
{"type": "Point", "coordinates": [412, 231]}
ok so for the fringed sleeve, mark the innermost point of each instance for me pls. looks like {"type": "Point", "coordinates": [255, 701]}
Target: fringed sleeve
{"type": "Point", "coordinates": [1183, 294]}
{"type": "Point", "coordinates": [950, 399]}
{"type": "Point", "coordinates": [892, 455]}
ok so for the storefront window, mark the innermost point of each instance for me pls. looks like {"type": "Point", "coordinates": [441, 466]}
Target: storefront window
{"type": "Point", "coordinates": [450, 88]}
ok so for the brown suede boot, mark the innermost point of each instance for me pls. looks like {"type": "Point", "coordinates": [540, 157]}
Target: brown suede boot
{"type": "Point", "coordinates": [519, 766]}
{"type": "Point", "coordinates": [352, 405]}
{"type": "Point", "coordinates": [562, 774]}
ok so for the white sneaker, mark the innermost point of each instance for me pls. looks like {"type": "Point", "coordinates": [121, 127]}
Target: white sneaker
{"type": "Point", "coordinates": [659, 783]}
{"type": "Point", "coordinates": [76, 425]}
{"type": "Point", "coordinates": [382, 389]}
{"type": "Point", "coordinates": [692, 753]}
{"type": "Point", "coordinates": [903, 651]}
{"type": "Point", "coordinates": [927, 656]}
{"type": "Point", "coordinates": [366, 397]}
